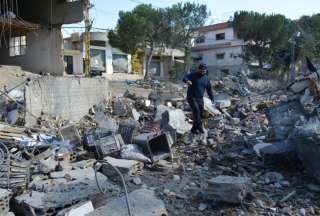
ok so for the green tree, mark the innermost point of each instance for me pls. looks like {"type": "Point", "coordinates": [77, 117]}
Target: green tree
{"type": "Point", "coordinates": [142, 28]}
{"type": "Point", "coordinates": [309, 43]}
{"type": "Point", "coordinates": [185, 19]}
{"type": "Point", "coordinates": [266, 36]}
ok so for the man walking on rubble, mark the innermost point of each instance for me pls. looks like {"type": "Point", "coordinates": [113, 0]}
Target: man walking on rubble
{"type": "Point", "coordinates": [198, 83]}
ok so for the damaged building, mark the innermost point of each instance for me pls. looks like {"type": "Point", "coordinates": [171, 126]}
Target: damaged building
{"type": "Point", "coordinates": [105, 59]}
{"type": "Point", "coordinates": [219, 47]}
{"type": "Point", "coordinates": [31, 36]}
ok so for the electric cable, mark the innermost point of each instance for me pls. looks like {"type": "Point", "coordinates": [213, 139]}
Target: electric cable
{"type": "Point", "coordinates": [122, 180]}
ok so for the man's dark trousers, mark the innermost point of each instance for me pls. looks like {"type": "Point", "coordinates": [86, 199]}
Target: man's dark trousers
{"type": "Point", "coordinates": [196, 105]}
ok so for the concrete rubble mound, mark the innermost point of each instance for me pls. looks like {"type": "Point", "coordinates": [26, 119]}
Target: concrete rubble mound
{"type": "Point", "coordinates": [131, 153]}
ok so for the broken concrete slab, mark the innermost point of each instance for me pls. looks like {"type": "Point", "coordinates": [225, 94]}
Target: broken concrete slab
{"type": "Point", "coordinates": [129, 167]}
{"type": "Point", "coordinates": [222, 101]}
{"type": "Point", "coordinates": [228, 189]}
{"type": "Point", "coordinates": [283, 117]}
{"type": "Point", "coordinates": [135, 114]}
{"type": "Point", "coordinates": [280, 154]}
{"type": "Point", "coordinates": [259, 146]}
{"type": "Point", "coordinates": [137, 181]}
{"type": "Point", "coordinates": [71, 133]}
{"type": "Point", "coordinates": [106, 122]}
{"type": "Point", "coordinates": [177, 120]}
{"type": "Point", "coordinates": [273, 177]}
{"type": "Point", "coordinates": [81, 209]}
{"type": "Point", "coordinates": [64, 189]}
{"type": "Point", "coordinates": [160, 110]}
{"type": "Point", "coordinates": [209, 107]}
{"type": "Point", "coordinates": [306, 136]}
{"type": "Point", "coordinates": [5, 196]}
{"type": "Point", "coordinates": [143, 203]}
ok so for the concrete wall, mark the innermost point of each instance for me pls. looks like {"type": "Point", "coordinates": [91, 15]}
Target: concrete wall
{"type": "Point", "coordinates": [231, 56]}
{"type": "Point", "coordinates": [43, 53]}
{"type": "Point", "coordinates": [231, 46]}
{"type": "Point", "coordinates": [68, 97]}
{"type": "Point", "coordinates": [210, 37]}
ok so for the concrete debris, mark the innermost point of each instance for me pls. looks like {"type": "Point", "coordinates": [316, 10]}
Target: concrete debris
{"type": "Point", "coordinates": [306, 136]}
{"type": "Point", "coordinates": [283, 117]}
{"type": "Point", "coordinates": [209, 107]}
{"type": "Point", "coordinates": [222, 101]}
{"type": "Point", "coordinates": [128, 167]}
{"type": "Point", "coordinates": [105, 122]}
{"type": "Point", "coordinates": [273, 177]}
{"type": "Point", "coordinates": [259, 147]}
{"type": "Point", "coordinates": [65, 188]}
{"type": "Point", "coordinates": [71, 133]}
{"type": "Point", "coordinates": [143, 201]}
{"type": "Point", "coordinates": [254, 151]}
{"type": "Point", "coordinates": [177, 120]}
{"type": "Point", "coordinates": [137, 181]}
{"type": "Point", "coordinates": [135, 114]}
{"type": "Point", "coordinates": [202, 206]}
{"type": "Point", "coordinates": [5, 196]}
{"type": "Point", "coordinates": [228, 189]}
{"type": "Point", "coordinates": [280, 154]}
{"type": "Point", "coordinates": [81, 209]}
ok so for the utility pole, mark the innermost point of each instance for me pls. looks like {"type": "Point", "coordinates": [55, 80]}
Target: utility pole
{"type": "Point", "coordinates": [88, 25]}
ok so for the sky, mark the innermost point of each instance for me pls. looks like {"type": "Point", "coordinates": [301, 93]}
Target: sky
{"type": "Point", "coordinates": [105, 12]}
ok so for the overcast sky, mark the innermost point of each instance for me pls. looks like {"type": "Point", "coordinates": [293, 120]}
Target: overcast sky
{"type": "Point", "coordinates": [105, 12]}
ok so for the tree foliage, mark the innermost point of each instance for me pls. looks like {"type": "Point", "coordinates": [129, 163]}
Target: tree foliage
{"type": "Point", "coordinates": [185, 19]}
{"type": "Point", "coordinates": [142, 28]}
{"type": "Point", "coordinates": [147, 28]}
{"type": "Point", "coordinates": [309, 43]}
{"type": "Point", "coordinates": [271, 38]}
{"type": "Point", "coordinates": [266, 36]}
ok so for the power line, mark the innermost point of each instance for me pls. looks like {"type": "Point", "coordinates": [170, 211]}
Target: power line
{"type": "Point", "coordinates": [82, 27]}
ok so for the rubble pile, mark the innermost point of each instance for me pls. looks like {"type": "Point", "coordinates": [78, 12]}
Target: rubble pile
{"type": "Point", "coordinates": [133, 155]}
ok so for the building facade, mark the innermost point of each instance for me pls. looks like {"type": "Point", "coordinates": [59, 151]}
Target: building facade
{"type": "Point", "coordinates": [31, 33]}
{"type": "Point", "coordinates": [165, 63]}
{"type": "Point", "coordinates": [104, 58]}
{"type": "Point", "coordinates": [219, 47]}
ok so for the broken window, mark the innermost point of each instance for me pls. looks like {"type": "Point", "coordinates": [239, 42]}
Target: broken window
{"type": "Point", "coordinates": [200, 39]}
{"type": "Point", "coordinates": [98, 43]}
{"type": "Point", "coordinates": [220, 56]}
{"type": "Point", "coordinates": [220, 36]}
{"type": "Point", "coordinates": [18, 46]}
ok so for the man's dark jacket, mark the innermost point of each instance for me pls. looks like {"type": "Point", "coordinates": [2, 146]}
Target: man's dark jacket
{"type": "Point", "coordinates": [200, 83]}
